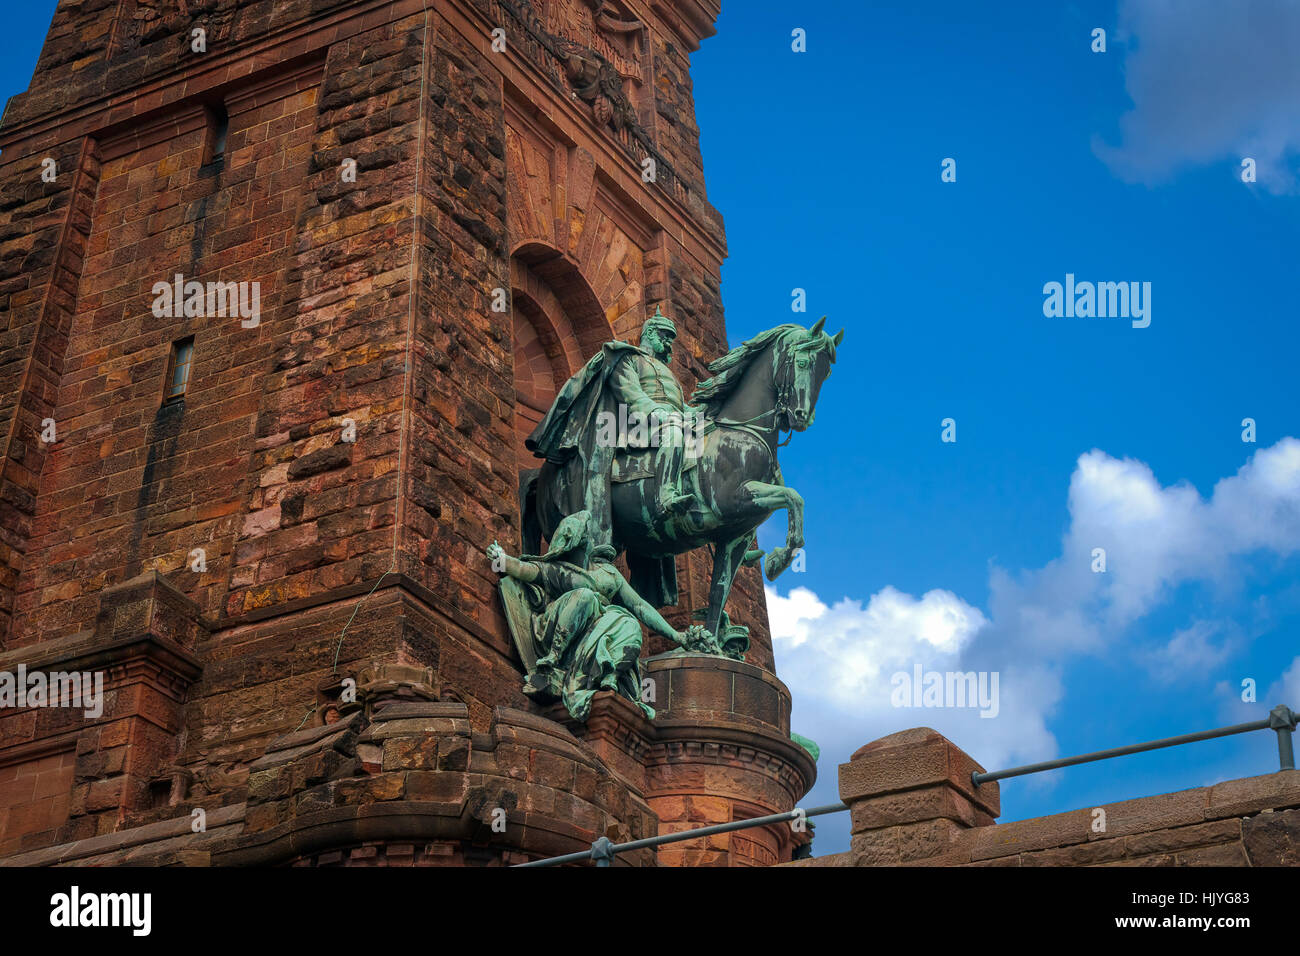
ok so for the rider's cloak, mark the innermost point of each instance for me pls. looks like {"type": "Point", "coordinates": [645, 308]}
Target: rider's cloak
{"type": "Point", "coordinates": [566, 438]}
{"type": "Point", "coordinates": [569, 428]}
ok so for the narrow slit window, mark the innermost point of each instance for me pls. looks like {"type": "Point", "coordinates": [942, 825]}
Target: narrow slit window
{"type": "Point", "coordinates": [218, 131]}
{"type": "Point", "coordinates": [219, 134]}
{"type": "Point", "coordinates": [178, 371]}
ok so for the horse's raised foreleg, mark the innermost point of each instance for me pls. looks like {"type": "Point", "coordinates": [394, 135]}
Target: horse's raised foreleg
{"type": "Point", "coordinates": [771, 498]}
{"type": "Point", "coordinates": [727, 559]}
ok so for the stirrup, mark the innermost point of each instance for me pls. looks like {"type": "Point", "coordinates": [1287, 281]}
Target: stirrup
{"type": "Point", "coordinates": [677, 505]}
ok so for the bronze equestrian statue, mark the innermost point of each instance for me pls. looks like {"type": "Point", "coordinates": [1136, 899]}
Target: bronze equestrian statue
{"type": "Point", "coordinates": [661, 477]}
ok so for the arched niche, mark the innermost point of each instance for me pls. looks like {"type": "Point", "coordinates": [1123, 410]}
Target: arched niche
{"type": "Point", "coordinates": [558, 325]}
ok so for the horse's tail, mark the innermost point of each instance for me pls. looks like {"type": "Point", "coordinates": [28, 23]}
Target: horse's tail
{"type": "Point", "coordinates": [532, 522]}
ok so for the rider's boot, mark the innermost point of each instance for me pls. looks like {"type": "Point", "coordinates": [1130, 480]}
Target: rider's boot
{"type": "Point", "coordinates": [673, 505]}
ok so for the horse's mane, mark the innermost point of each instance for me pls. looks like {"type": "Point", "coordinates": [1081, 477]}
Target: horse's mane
{"type": "Point", "coordinates": [730, 368]}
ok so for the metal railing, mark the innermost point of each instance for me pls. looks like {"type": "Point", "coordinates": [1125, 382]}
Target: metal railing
{"type": "Point", "coordinates": [604, 849]}
{"type": "Point", "coordinates": [1281, 719]}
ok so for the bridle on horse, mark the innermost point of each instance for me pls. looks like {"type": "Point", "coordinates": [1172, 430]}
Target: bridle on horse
{"type": "Point", "coordinates": [784, 392]}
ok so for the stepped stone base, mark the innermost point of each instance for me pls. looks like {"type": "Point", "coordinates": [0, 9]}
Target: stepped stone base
{"type": "Point", "coordinates": [400, 778]}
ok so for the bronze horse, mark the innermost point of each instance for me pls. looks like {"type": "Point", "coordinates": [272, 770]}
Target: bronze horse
{"type": "Point", "coordinates": [764, 387]}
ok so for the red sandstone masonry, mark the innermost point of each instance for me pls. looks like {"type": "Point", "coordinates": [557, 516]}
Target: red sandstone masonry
{"type": "Point", "coordinates": [462, 487]}
{"type": "Point", "coordinates": [323, 513]}
{"type": "Point", "coordinates": [34, 798]}
{"type": "Point", "coordinates": [375, 302]}
{"type": "Point", "coordinates": [115, 502]}
{"type": "Point", "coordinates": [44, 255]}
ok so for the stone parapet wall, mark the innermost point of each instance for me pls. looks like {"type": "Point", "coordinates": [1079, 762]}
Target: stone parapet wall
{"type": "Point", "coordinates": [913, 803]}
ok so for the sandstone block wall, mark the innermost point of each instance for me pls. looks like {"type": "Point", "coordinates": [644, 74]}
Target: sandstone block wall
{"type": "Point", "coordinates": [323, 560]}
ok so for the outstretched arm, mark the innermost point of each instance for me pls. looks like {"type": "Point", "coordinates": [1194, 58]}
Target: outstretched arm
{"type": "Point", "coordinates": [643, 612]}
{"type": "Point", "coordinates": [503, 563]}
{"type": "Point", "coordinates": [695, 638]}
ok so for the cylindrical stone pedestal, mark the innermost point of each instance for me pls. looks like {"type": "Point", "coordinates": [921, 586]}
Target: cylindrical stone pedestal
{"type": "Point", "coordinates": [723, 752]}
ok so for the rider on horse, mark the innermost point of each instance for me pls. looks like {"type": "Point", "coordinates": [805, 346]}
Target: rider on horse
{"type": "Point", "coordinates": [588, 423]}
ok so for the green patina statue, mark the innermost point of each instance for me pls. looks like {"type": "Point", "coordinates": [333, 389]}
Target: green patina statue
{"type": "Point", "coordinates": [576, 621]}
{"type": "Point", "coordinates": [624, 401]}
{"type": "Point", "coordinates": [657, 476]}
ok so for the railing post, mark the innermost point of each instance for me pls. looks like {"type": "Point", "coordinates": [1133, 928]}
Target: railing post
{"type": "Point", "coordinates": [911, 796]}
{"type": "Point", "coordinates": [1282, 719]}
{"type": "Point", "coordinates": [602, 851]}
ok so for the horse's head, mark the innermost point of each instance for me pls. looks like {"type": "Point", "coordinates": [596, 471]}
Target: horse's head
{"type": "Point", "coordinates": [802, 361]}
{"type": "Point", "coordinates": [771, 380]}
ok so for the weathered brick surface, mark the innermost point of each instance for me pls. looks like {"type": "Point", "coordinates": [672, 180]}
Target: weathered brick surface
{"type": "Point", "coordinates": [322, 515]}
{"type": "Point", "coordinates": [1272, 838]}
{"type": "Point", "coordinates": [133, 486]}
{"type": "Point", "coordinates": [518, 800]}
{"type": "Point", "coordinates": [44, 229]}
{"type": "Point", "coordinates": [327, 563]}
{"type": "Point", "coordinates": [460, 474]}
{"type": "Point", "coordinates": [34, 799]}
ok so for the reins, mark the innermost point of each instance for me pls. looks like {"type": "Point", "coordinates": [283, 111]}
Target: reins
{"type": "Point", "coordinates": [783, 392]}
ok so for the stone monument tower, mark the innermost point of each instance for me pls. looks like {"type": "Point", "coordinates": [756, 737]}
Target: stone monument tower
{"type": "Point", "coordinates": [286, 285]}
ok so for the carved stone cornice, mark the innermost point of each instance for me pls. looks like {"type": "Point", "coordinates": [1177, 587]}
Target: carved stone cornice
{"type": "Point", "coordinates": [692, 20]}
{"type": "Point", "coordinates": [581, 72]}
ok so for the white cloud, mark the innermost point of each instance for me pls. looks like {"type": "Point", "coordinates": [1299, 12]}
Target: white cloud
{"type": "Point", "coordinates": [1287, 689]}
{"type": "Point", "coordinates": [1193, 650]}
{"type": "Point", "coordinates": [891, 632]}
{"type": "Point", "coordinates": [1210, 82]}
{"type": "Point", "coordinates": [1155, 538]}
{"type": "Point", "coordinates": [838, 659]}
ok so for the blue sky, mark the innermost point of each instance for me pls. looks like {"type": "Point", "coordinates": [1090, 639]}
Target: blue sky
{"type": "Point", "coordinates": [20, 44]}
{"type": "Point", "coordinates": [1115, 166]}
{"type": "Point", "coordinates": [1071, 433]}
